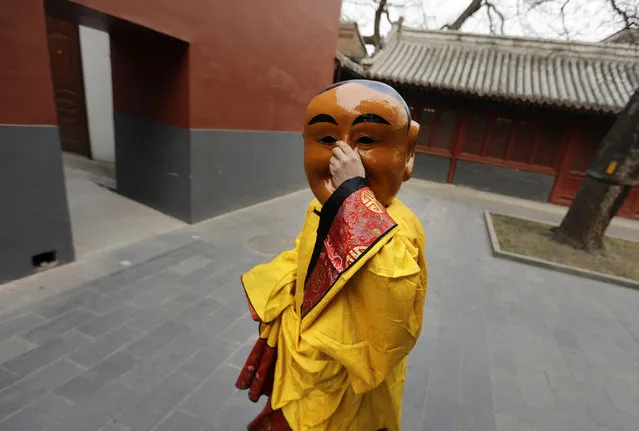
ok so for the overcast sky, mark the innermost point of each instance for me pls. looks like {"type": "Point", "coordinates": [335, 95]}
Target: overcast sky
{"type": "Point", "coordinates": [586, 20]}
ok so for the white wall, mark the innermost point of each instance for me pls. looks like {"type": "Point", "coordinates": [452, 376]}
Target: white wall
{"type": "Point", "coordinates": [96, 63]}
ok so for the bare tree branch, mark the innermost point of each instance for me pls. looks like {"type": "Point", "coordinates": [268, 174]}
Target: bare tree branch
{"type": "Point", "coordinates": [620, 12]}
{"type": "Point", "coordinates": [630, 20]}
{"type": "Point", "coordinates": [491, 7]}
{"type": "Point", "coordinates": [470, 10]}
{"type": "Point", "coordinates": [563, 19]}
{"type": "Point", "coordinates": [387, 13]}
{"type": "Point", "coordinates": [377, 37]}
{"type": "Point", "coordinates": [534, 4]}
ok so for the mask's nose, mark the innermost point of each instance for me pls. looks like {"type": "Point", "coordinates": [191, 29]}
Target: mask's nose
{"type": "Point", "coordinates": [346, 140]}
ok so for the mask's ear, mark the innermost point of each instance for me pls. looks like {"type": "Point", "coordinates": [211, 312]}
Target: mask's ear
{"type": "Point", "coordinates": [410, 150]}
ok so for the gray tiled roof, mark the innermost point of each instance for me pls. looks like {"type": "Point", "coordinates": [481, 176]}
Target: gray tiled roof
{"type": "Point", "coordinates": [349, 64]}
{"type": "Point", "coordinates": [585, 76]}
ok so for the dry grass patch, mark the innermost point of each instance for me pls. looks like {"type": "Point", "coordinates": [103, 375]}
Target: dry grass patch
{"type": "Point", "coordinates": [534, 239]}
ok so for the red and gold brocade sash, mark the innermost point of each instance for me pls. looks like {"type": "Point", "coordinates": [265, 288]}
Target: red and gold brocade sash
{"type": "Point", "coordinates": [353, 226]}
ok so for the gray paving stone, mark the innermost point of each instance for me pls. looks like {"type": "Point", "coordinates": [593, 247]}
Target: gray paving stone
{"type": "Point", "coordinates": [181, 238]}
{"type": "Point", "coordinates": [59, 326]}
{"type": "Point", "coordinates": [202, 276]}
{"type": "Point", "coordinates": [606, 415]}
{"type": "Point", "coordinates": [126, 276]}
{"type": "Point", "coordinates": [97, 378]}
{"type": "Point", "coordinates": [203, 363]}
{"type": "Point", "coordinates": [66, 302]}
{"type": "Point", "coordinates": [148, 374]}
{"type": "Point", "coordinates": [13, 347]}
{"type": "Point", "coordinates": [477, 402]}
{"type": "Point", "coordinates": [46, 353]}
{"type": "Point", "coordinates": [510, 423]}
{"type": "Point", "coordinates": [191, 265]}
{"type": "Point", "coordinates": [240, 330]}
{"type": "Point", "coordinates": [154, 407]}
{"type": "Point", "coordinates": [114, 427]}
{"type": "Point", "coordinates": [216, 323]}
{"type": "Point", "coordinates": [7, 378]}
{"type": "Point", "coordinates": [148, 345]}
{"type": "Point", "coordinates": [194, 315]}
{"type": "Point", "coordinates": [10, 313]}
{"type": "Point", "coordinates": [181, 421]}
{"type": "Point", "coordinates": [96, 411]}
{"type": "Point", "coordinates": [209, 337]}
{"type": "Point", "coordinates": [105, 345]}
{"type": "Point", "coordinates": [507, 394]}
{"type": "Point", "coordinates": [152, 298]}
{"type": "Point", "coordinates": [107, 303]}
{"type": "Point", "coordinates": [148, 320]}
{"type": "Point", "coordinates": [237, 412]}
{"type": "Point", "coordinates": [230, 312]}
{"type": "Point", "coordinates": [566, 339]}
{"type": "Point", "coordinates": [209, 398]}
{"type": "Point", "coordinates": [159, 278]}
{"type": "Point", "coordinates": [239, 356]}
{"type": "Point", "coordinates": [25, 391]}
{"type": "Point", "coordinates": [492, 329]}
{"type": "Point", "coordinates": [190, 297]}
{"type": "Point", "coordinates": [442, 413]}
{"type": "Point", "coordinates": [103, 324]}
{"type": "Point", "coordinates": [142, 251]}
{"type": "Point", "coordinates": [39, 415]}
{"type": "Point", "coordinates": [20, 324]}
{"type": "Point", "coordinates": [416, 384]}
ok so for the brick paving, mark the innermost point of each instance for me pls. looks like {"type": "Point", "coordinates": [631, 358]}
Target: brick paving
{"type": "Point", "coordinates": [156, 345]}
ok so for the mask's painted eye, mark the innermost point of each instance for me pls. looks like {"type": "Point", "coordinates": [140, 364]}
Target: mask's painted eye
{"type": "Point", "coordinates": [366, 140]}
{"type": "Point", "coordinates": [328, 140]}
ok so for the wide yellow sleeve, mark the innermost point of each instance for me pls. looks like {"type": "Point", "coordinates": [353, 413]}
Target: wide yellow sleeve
{"type": "Point", "coordinates": [270, 286]}
{"type": "Point", "coordinates": [378, 320]}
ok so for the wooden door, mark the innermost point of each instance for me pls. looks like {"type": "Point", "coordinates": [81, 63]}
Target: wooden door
{"type": "Point", "coordinates": [68, 86]}
{"type": "Point", "coordinates": [579, 156]}
{"type": "Point", "coordinates": [630, 207]}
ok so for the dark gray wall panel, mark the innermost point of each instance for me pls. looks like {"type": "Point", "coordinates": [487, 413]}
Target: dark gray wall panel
{"type": "Point", "coordinates": [233, 169]}
{"type": "Point", "coordinates": [506, 181]}
{"type": "Point", "coordinates": [34, 215]}
{"type": "Point", "coordinates": [153, 164]}
{"type": "Point", "coordinates": [431, 168]}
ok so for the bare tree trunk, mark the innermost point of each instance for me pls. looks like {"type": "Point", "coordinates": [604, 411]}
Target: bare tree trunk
{"type": "Point", "coordinates": [377, 37]}
{"type": "Point", "coordinates": [598, 201]}
{"type": "Point", "coordinates": [473, 7]}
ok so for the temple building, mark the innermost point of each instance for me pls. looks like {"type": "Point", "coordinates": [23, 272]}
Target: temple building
{"type": "Point", "coordinates": [515, 116]}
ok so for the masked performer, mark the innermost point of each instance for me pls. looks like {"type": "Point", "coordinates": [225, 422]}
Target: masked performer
{"type": "Point", "coordinates": [340, 312]}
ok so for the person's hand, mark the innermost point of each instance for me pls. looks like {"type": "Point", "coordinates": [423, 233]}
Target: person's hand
{"type": "Point", "coordinates": [345, 164]}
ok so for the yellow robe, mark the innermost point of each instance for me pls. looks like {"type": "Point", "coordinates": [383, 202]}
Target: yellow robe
{"type": "Point", "coordinates": [341, 359]}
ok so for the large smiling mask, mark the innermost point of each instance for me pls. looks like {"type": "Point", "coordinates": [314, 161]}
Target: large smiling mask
{"type": "Point", "coordinates": [370, 117]}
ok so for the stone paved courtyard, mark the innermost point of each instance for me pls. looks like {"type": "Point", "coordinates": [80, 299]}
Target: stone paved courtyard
{"type": "Point", "coordinates": [151, 337]}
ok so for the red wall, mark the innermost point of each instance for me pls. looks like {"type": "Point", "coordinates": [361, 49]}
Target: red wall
{"type": "Point", "coordinates": [26, 92]}
{"type": "Point", "coordinates": [253, 64]}
{"type": "Point", "coordinates": [150, 73]}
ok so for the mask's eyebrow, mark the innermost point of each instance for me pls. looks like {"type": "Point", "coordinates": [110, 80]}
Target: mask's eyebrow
{"type": "Point", "coordinates": [370, 118]}
{"type": "Point", "coordinates": [322, 118]}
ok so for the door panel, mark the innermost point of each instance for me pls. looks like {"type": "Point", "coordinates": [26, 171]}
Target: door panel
{"type": "Point", "coordinates": [580, 154]}
{"type": "Point", "coordinates": [68, 86]}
